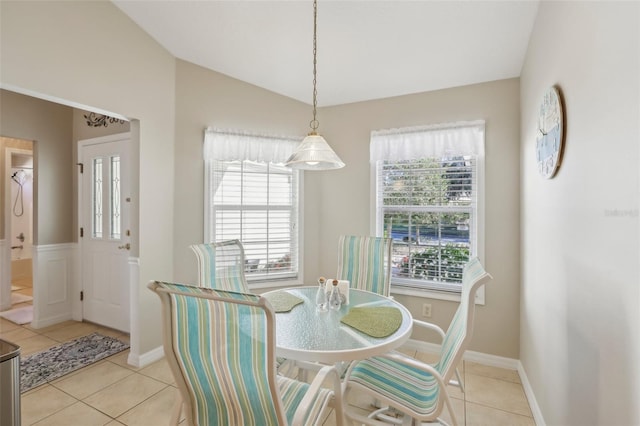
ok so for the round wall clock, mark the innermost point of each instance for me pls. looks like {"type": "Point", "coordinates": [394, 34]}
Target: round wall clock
{"type": "Point", "coordinates": [550, 133]}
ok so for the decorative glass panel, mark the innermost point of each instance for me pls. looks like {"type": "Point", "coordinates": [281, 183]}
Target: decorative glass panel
{"type": "Point", "coordinates": [97, 198]}
{"type": "Point", "coordinates": [114, 201]}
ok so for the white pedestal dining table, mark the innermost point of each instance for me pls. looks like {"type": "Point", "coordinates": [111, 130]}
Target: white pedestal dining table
{"type": "Point", "coordinates": [304, 334]}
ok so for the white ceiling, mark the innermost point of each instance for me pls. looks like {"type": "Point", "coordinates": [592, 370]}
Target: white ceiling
{"type": "Point", "coordinates": [366, 49]}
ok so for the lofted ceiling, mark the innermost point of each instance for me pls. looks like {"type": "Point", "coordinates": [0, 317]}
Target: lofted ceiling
{"type": "Point", "coordinates": [366, 49]}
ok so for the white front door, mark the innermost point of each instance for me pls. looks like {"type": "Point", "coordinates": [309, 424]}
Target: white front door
{"type": "Point", "coordinates": [105, 235]}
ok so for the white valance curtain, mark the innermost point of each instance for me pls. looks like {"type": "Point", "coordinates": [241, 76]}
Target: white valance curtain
{"type": "Point", "coordinates": [437, 141]}
{"type": "Point", "coordinates": [238, 146]}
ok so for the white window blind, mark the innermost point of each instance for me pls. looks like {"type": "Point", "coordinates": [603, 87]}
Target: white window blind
{"type": "Point", "coordinates": [251, 196]}
{"type": "Point", "coordinates": [428, 192]}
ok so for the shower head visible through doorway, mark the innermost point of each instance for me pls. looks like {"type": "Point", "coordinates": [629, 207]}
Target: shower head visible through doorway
{"type": "Point", "coordinates": [19, 177]}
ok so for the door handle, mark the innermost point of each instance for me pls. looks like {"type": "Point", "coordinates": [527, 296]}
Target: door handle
{"type": "Point", "coordinates": [125, 247]}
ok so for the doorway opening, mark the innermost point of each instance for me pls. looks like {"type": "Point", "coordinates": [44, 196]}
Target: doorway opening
{"type": "Point", "coordinates": [19, 213]}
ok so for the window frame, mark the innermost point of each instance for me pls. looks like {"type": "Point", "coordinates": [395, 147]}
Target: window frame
{"type": "Point", "coordinates": [258, 282]}
{"type": "Point", "coordinates": [377, 220]}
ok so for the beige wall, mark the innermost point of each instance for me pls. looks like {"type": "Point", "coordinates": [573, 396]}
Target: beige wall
{"type": "Point", "coordinates": [50, 127]}
{"type": "Point", "coordinates": [346, 199]}
{"type": "Point", "coordinates": [90, 55]}
{"type": "Point", "coordinates": [206, 98]}
{"type": "Point", "coordinates": [580, 325]}
{"type": "Point", "coordinates": [338, 202]}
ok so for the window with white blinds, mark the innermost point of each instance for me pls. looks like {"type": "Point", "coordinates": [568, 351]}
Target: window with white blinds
{"type": "Point", "coordinates": [254, 200]}
{"type": "Point", "coordinates": [428, 187]}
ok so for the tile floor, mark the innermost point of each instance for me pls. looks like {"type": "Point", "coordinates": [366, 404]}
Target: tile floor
{"type": "Point", "coordinates": [111, 392]}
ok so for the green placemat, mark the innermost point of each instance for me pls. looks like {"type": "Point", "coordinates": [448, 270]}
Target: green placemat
{"type": "Point", "coordinates": [381, 321]}
{"type": "Point", "coordinates": [283, 301]}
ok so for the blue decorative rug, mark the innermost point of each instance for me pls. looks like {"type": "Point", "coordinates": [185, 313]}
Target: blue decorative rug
{"type": "Point", "coordinates": [55, 362]}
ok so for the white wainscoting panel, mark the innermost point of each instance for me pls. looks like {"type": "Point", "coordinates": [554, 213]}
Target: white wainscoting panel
{"type": "Point", "coordinates": [53, 283]}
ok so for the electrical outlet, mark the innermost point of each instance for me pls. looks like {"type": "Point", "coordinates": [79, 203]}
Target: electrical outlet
{"type": "Point", "coordinates": [426, 310]}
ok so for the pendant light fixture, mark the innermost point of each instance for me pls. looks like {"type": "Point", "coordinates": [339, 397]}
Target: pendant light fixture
{"type": "Point", "coordinates": [314, 153]}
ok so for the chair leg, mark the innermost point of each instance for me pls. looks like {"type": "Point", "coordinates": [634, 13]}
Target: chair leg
{"type": "Point", "coordinates": [457, 383]}
{"type": "Point", "coordinates": [176, 411]}
{"type": "Point", "coordinates": [447, 402]}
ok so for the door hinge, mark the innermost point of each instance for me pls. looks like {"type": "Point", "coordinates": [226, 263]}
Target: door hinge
{"type": "Point", "coordinates": [81, 167]}
{"type": "Point", "coordinates": [81, 296]}
{"type": "Point", "coordinates": [81, 232]}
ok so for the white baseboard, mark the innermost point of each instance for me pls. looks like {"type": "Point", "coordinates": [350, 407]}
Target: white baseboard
{"type": "Point", "coordinates": [528, 391]}
{"type": "Point", "coordinates": [473, 356]}
{"type": "Point", "coordinates": [146, 358]}
{"type": "Point", "coordinates": [46, 322]}
{"type": "Point", "coordinates": [492, 361]}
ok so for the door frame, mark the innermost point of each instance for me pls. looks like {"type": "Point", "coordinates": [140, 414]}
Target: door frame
{"type": "Point", "coordinates": [5, 278]}
{"type": "Point", "coordinates": [77, 305]}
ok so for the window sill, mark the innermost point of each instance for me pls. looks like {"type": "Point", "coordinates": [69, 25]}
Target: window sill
{"type": "Point", "coordinates": [438, 295]}
{"type": "Point", "coordinates": [272, 284]}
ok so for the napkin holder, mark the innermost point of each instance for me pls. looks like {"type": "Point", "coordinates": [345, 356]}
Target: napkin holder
{"type": "Point", "coordinates": [343, 288]}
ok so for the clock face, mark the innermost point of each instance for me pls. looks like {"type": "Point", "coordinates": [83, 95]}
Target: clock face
{"type": "Point", "coordinates": [549, 136]}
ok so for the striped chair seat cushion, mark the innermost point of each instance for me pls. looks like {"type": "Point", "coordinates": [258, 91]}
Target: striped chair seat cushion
{"type": "Point", "coordinates": [410, 387]}
{"type": "Point", "coordinates": [292, 392]}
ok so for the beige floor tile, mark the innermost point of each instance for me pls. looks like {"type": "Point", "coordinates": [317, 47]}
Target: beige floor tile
{"type": "Point", "coordinates": [479, 415]}
{"type": "Point", "coordinates": [35, 344]}
{"type": "Point", "coordinates": [71, 332]}
{"type": "Point", "coordinates": [28, 291]}
{"type": "Point", "coordinates": [494, 393]}
{"type": "Point", "coordinates": [15, 335]}
{"type": "Point", "coordinates": [360, 399]}
{"type": "Point", "coordinates": [91, 379]}
{"type": "Point", "coordinates": [113, 423]}
{"type": "Point", "coordinates": [330, 418]}
{"type": "Point", "coordinates": [76, 414]}
{"type": "Point", "coordinates": [121, 359]}
{"type": "Point", "coordinates": [113, 333]}
{"type": "Point", "coordinates": [121, 396]}
{"type": "Point", "coordinates": [21, 305]}
{"type": "Point", "coordinates": [458, 409]}
{"type": "Point", "coordinates": [42, 403]}
{"type": "Point", "coordinates": [494, 372]}
{"type": "Point", "coordinates": [156, 410]}
{"type": "Point", "coordinates": [159, 370]}
{"type": "Point", "coordinates": [52, 327]}
{"type": "Point", "coordinates": [36, 389]}
{"type": "Point", "coordinates": [6, 325]}
{"type": "Point", "coordinates": [357, 410]}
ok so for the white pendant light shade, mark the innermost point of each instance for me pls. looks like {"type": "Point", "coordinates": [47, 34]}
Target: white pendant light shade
{"type": "Point", "coordinates": [314, 153]}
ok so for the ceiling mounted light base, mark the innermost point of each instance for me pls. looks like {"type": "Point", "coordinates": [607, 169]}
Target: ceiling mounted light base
{"type": "Point", "coordinates": [314, 153]}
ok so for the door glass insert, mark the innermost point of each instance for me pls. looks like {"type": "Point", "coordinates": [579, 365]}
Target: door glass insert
{"type": "Point", "coordinates": [114, 201]}
{"type": "Point", "coordinates": [97, 198]}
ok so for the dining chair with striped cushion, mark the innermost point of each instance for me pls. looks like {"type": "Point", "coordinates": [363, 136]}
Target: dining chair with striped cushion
{"type": "Point", "coordinates": [220, 346]}
{"type": "Point", "coordinates": [221, 265]}
{"type": "Point", "coordinates": [416, 389]}
{"type": "Point", "coordinates": [365, 262]}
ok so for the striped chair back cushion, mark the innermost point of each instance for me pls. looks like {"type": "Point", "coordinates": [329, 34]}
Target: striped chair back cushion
{"type": "Point", "coordinates": [461, 327]}
{"type": "Point", "coordinates": [221, 349]}
{"type": "Point", "coordinates": [365, 262]}
{"type": "Point", "coordinates": [221, 266]}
